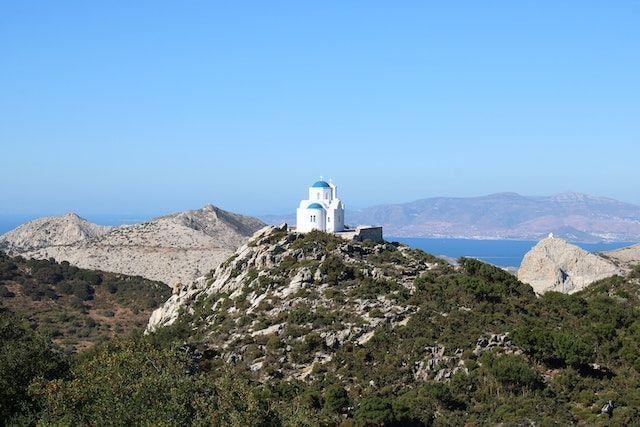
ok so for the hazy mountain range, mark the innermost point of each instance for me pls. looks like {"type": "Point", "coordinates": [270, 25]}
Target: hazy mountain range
{"type": "Point", "coordinates": [573, 216]}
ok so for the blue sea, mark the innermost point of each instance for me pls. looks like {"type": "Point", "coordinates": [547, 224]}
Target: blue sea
{"type": "Point", "coordinates": [504, 253]}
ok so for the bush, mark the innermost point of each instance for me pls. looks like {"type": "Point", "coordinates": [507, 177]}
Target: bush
{"type": "Point", "coordinates": [415, 407]}
{"type": "Point", "coordinates": [24, 356]}
{"type": "Point", "coordinates": [162, 386]}
{"type": "Point", "coordinates": [336, 399]}
{"type": "Point", "coordinates": [336, 270]}
{"type": "Point", "coordinates": [374, 411]}
{"type": "Point", "coordinates": [514, 372]}
{"type": "Point", "coordinates": [6, 293]}
{"type": "Point", "coordinates": [552, 347]}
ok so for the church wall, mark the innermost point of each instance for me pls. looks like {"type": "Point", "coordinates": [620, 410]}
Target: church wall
{"type": "Point", "coordinates": [323, 193]}
{"type": "Point", "coordinates": [304, 223]}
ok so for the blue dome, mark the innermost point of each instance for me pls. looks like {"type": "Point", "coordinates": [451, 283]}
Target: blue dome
{"type": "Point", "coordinates": [315, 206]}
{"type": "Point", "coordinates": [321, 184]}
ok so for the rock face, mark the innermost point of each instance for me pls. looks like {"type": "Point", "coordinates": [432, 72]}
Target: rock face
{"type": "Point", "coordinates": [555, 265]}
{"type": "Point", "coordinates": [284, 284]}
{"type": "Point", "coordinates": [173, 249]}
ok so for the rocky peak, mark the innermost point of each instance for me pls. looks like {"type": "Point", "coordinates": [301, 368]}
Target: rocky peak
{"type": "Point", "coordinates": [556, 265]}
{"type": "Point", "coordinates": [175, 248]}
{"type": "Point", "coordinates": [279, 282]}
{"type": "Point", "coordinates": [51, 231]}
{"type": "Point", "coordinates": [72, 216]}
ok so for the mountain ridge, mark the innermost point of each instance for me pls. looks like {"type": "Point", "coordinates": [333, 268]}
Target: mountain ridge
{"type": "Point", "coordinates": [172, 248]}
{"type": "Point", "coordinates": [507, 215]}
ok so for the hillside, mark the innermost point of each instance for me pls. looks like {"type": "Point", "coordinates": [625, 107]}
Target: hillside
{"type": "Point", "coordinates": [624, 257]}
{"type": "Point", "coordinates": [572, 216]}
{"type": "Point", "coordinates": [173, 249]}
{"type": "Point", "coordinates": [384, 333]}
{"type": "Point", "coordinates": [76, 307]}
{"type": "Point", "coordinates": [313, 330]}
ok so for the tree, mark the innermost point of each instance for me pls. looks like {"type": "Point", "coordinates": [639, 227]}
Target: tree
{"type": "Point", "coordinates": [24, 356]}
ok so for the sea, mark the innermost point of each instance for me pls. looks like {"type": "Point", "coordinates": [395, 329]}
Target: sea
{"type": "Point", "coordinates": [503, 253]}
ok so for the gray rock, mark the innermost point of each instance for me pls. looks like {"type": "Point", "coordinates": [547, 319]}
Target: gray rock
{"type": "Point", "coordinates": [556, 265]}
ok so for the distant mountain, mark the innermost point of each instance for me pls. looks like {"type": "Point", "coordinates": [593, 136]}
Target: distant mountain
{"type": "Point", "coordinates": [173, 249]}
{"type": "Point", "coordinates": [50, 231]}
{"type": "Point", "coordinates": [572, 216]}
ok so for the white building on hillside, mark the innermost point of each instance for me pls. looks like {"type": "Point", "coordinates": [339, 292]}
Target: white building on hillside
{"type": "Point", "coordinates": [322, 210]}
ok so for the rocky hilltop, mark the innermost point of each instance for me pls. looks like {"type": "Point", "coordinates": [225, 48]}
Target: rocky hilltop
{"type": "Point", "coordinates": [556, 265]}
{"type": "Point", "coordinates": [332, 331]}
{"type": "Point", "coordinates": [279, 280]}
{"type": "Point", "coordinates": [50, 231]}
{"type": "Point", "coordinates": [174, 249]}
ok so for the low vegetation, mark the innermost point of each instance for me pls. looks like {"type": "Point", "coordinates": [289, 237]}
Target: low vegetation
{"type": "Point", "coordinates": [509, 357]}
{"type": "Point", "coordinates": [74, 306]}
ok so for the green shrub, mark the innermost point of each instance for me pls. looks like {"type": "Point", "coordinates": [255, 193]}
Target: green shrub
{"type": "Point", "coordinates": [24, 356]}
{"type": "Point", "coordinates": [374, 410]}
{"type": "Point", "coordinates": [514, 372]}
{"type": "Point", "coordinates": [336, 399]}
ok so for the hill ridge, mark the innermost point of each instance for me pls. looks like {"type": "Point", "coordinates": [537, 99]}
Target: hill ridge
{"type": "Point", "coordinates": [172, 248]}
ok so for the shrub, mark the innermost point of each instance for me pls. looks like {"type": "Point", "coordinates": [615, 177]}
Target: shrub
{"type": "Point", "coordinates": [24, 356]}
{"type": "Point", "coordinates": [336, 399]}
{"type": "Point", "coordinates": [336, 270]}
{"type": "Point", "coordinates": [374, 411]}
{"type": "Point", "coordinates": [514, 372]}
{"type": "Point", "coordinates": [414, 407]}
{"type": "Point", "coordinates": [5, 292]}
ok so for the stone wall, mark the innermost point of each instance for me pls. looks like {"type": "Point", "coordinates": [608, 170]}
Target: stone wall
{"type": "Point", "coordinates": [362, 233]}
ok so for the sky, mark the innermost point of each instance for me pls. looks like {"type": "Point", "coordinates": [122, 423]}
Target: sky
{"type": "Point", "coordinates": [148, 107]}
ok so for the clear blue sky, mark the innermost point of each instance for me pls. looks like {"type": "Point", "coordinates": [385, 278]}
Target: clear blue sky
{"type": "Point", "coordinates": [147, 107]}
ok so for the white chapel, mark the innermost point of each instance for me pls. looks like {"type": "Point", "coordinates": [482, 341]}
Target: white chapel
{"type": "Point", "coordinates": [323, 210]}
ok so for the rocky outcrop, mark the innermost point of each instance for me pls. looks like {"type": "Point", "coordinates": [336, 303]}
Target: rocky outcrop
{"type": "Point", "coordinates": [438, 365]}
{"type": "Point", "coordinates": [50, 231]}
{"type": "Point", "coordinates": [626, 258]}
{"type": "Point", "coordinates": [174, 249]}
{"type": "Point", "coordinates": [302, 289]}
{"type": "Point", "coordinates": [556, 265]}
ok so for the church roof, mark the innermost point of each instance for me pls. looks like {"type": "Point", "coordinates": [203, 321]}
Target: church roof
{"type": "Point", "coordinates": [315, 206]}
{"type": "Point", "coordinates": [321, 184]}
